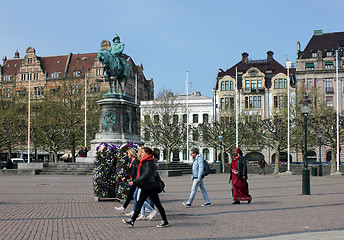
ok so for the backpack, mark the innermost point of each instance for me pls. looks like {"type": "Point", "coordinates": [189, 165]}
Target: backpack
{"type": "Point", "coordinates": [206, 168]}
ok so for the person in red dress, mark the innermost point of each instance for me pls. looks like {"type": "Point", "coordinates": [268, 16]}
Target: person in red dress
{"type": "Point", "coordinates": [238, 176]}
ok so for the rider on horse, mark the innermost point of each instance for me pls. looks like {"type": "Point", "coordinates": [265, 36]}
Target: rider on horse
{"type": "Point", "coordinates": [117, 49]}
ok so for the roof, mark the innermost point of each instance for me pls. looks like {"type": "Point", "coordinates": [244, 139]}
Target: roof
{"type": "Point", "coordinates": [54, 63]}
{"type": "Point", "coordinates": [81, 62]}
{"type": "Point", "coordinates": [12, 66]}
{"type": "Point", "coordinates": [270, 67]}
{"type": "Point", "coordinates": [324, 42]}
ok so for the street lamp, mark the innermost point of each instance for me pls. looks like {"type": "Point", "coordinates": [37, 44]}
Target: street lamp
{"type": "Point", "coordinates": [222, 165]}
{"type": "Point", "coordinates": [305, 103]}
{"type": "Point", "coordinates": [319, 135]}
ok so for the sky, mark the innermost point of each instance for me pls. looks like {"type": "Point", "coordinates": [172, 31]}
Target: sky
{"type": "Point", "coordinates": [169, 37]}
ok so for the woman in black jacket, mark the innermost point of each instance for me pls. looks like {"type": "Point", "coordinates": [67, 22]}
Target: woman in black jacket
{"type": "Point", "coordinates": [132, 193]}
{"type": "Point", "coordinates": [146, 180]}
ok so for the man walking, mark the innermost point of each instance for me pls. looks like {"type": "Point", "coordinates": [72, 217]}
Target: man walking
{"type": "Point", "coordinates": [262, 165]}
{"type": "Point", "coordinates": [197, 178]}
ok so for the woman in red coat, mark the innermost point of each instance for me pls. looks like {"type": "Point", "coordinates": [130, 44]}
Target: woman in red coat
{"type": "Point", "coordinates": [238, 175]}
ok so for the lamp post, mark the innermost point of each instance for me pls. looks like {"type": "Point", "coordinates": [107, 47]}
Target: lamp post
{"type": "Point", "coordinates": [222, 164]}
{"type": "Point", "coordinates": [305, 103]}
{"type": "Point", "coordinates": [288, 65]}
{"type": "Point", "coordinates": [319, 135]}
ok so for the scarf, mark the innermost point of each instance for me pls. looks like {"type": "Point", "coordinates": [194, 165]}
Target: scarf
{"type": "Point", "coordinates": [143, 161]}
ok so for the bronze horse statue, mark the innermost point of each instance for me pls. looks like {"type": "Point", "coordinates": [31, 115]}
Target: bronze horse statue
{"type": "Point", "coordinates": [114, 68]}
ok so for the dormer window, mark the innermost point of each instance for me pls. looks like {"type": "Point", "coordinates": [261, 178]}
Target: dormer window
{"type": "Point", "coordinates": [76, 74]}
{"type": "Point", "coordinates": [329, 54]}
{"type": "Point", "coordinates": [55, 75]}
{"type": "Point", "coordinates": [314, 55]}
{"type": "Point", "coordinates": [29, 60]}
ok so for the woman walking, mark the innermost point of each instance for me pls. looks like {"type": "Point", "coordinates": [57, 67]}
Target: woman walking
{"type": "Point", "coordinates": [238, 175]}
{"type": "Point", "coordinates": [146, 180]}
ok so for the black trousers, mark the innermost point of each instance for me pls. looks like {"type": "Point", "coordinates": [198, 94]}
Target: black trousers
{"type": "Point", "coordinates": [155, 198]}
{"type": "Point", "coordinates": [130, 195]}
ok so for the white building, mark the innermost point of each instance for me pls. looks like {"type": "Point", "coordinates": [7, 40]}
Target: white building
{"type": "Point", "coordinates": [198, 108]}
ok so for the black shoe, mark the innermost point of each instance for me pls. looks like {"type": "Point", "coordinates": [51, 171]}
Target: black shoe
{"type": "Point", "coordinates": [129, 222]}
{"type": "Point", "coordinates": [249, 201]}
{"type": "Point", "coordinates": [236, 202]}
{"type": "Point", "coordinates": [162, 224]}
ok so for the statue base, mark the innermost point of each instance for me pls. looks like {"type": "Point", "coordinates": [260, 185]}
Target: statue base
{"type": "Point", "coordinates": [117, 123]}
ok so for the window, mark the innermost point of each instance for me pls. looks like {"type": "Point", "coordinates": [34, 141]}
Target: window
{"type": "Point", "coordinates": [231, 87]}
{"type": "Point", "coordinates": [329, 85]}
{"type": "Point", "coordinates": [35, 76]}
{"type": "Point", "coordinates": [185, 118]}
{"type": "Point", "coordinates": [38, 91]}
{"type": "Point", "coordinates": [231, 103]}
{"type": "Point", "coordinates": [146, 135]}
{"type": "Point", "coordinates": [205, 154]}
{"type": "Point", "coordinates": [276, 83]}
{"type": "Point", "coordinates": [226, 104]}
{"type": "Point", "coordinates": [280, 83]}
{"type": "Point", "coordinates": [29, 60]}
{"type": "Point", "coordinates": [55, 75]}
{"type": "Point", "coordinates": [7, 92]}
{"type": "Point", "coordinates": [195, 135]}
{"type": "Point", "coordinates": [285, 83]}
{"type": "Point", "coordinates": [275, 101]}
{"type": "Point", "coordinates": [195, 118]}
{"type": "Point", "coordinates": [156, 119]}
{"type": "Point", "coordinates": [23, 77]}
{"type": "Point", "coordinates": [247, 85]}
{"type": "Point", "coordinates": [309, 83]}
{"type": "Point", "coordinates": [329, 54]}
{"type": "Point", "coordinates": [76, 89]}
{"type": "Point", "coordinates": [328, 65]}
{"type": "Point", "coordinates": [259, 84]}
{"type": "Point", "coordinates": [246, 102]}
{"type": "Point", "coordinates": [329, 101]}
{"type": "Point", "coordinates": [309, 66]}
{"type": "Point", "coordinates": [259, 102]}
{"type": "Point", "coordinates": [222, 104]}
{"type": "Point", "coordinates": [175, 119]}
{"type": "Point", "coordinates": [255, 102]}
{"type": "Point", "coordinates": [20, 93]}
{"type": "Point", "coordinates": [250, 101]}
{"type": "Point", "coordinates": [76, 73]}
{"type": "Point", "coordinates": [314, 55]}
{"type": "Point", "coordinates": [98, 71]}
{"type": "Point", "coordinates": [222, 86]}
{"type": "Point", "coordinates": [205, 118]}
{"type": "Point", "coordinates": [29, 76]}
{"type": "Point", "coordinates": [94, 87]}
{"type": "Point", "coordinates": [226, 85]}
{"type": "Point", "coordinates": [146, 118]}
{"type": "Point", "coordinates": [253, 84]}
{"type": "Point", "coordinates": [7, 78]}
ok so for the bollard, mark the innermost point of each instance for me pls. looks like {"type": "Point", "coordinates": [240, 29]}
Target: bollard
{"type": "Point", "coordinates": [314, 171]}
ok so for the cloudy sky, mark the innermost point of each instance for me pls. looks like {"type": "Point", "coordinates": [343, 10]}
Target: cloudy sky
{"type": "Point", "coordinates": [169, 37]}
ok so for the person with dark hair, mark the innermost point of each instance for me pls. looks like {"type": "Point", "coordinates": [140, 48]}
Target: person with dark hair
{"type": "Point", "coordinates": [197, 178]}
{"type": "Point", "coordinates": [238, 176]}
{"type": "Point", "coordinates": [262, 165]}
{"type": "Point", "coordinates": [147, 181]}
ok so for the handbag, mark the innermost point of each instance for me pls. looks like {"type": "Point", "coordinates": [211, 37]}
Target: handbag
{"type": "Point", "coordinates": [160, 182]}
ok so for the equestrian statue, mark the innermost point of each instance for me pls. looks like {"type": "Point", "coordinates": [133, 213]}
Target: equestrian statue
{"type": "Point", "coordinates": [116, 70]}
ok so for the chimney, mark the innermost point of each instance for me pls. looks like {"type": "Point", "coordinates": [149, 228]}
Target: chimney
{"type": "Point", "coordinates": [244, 56]}
{"type": "Point", "coordinates": [16, 54]}
{"type": "Point", "coordinates": [318, 32]}
{"type": "Point", "coordinates": [270, 56]}
{"type": "Point", "coordinates": [4, 59]}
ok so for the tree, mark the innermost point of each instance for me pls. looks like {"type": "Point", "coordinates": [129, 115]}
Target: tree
{"type": "Point", "coordinates": [13, 116]}
{"type": "Point", "coordinates": [160, 128]}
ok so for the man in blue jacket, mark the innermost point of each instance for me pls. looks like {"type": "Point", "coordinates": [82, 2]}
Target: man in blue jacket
{"type": "Point", "coordinates": [197, 178]}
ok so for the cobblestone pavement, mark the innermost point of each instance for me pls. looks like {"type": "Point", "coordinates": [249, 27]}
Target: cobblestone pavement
{"type": "Point", "coordinates": [64, 207]}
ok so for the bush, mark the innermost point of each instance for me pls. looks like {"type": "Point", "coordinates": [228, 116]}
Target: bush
{"type": "Point", "coordinates": [111, 164]}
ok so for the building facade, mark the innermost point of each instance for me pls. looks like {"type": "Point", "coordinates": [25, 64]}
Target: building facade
{"type": "Point", "coordinates": [316, 67]}
{"type": "Point", "coordinates": [256, 88]}
{"type": "Point", "coordinates": [198, 108]}
{"type": "Point", "coordinates": [47, 73]}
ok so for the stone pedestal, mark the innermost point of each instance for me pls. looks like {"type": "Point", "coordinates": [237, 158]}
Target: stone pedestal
{"type": "Point", "coordinates": [117, 123]}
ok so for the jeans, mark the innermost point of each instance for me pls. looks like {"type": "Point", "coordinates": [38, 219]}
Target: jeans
{"type": "Point", "coordinates": [135, 198]}
{"type": "Point", "coordinates": [147, 204]}
{"type": "Point", "coordinates": [131, 192]}
{"type": "Point", "coordinates": [155, 198]}
{"type": "Point", "coordinates": [198, 184]}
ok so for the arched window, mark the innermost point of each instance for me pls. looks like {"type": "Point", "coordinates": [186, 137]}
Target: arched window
{"type": "Point", "coordinates": [206, 154]}
{"type": "Point", "coordinates": [231, 87]}
{"type": "Point", "coordinates": [222, 86]}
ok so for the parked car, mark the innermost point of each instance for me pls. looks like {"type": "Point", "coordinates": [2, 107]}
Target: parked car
{"type": "Point", "coordinates": [17, 160]}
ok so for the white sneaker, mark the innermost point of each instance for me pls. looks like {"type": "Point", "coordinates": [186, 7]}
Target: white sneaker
{"type": "Point", "coordinates": [120, 209]}
{"type": "Point", "coordinates": [141, 217]}
{"type": "Point", "coordinates": [130, 214]}
{"type": "Point", "coordinates": [152, 214]}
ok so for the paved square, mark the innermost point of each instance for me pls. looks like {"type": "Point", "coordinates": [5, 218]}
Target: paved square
{"type": "Point", "coordinates": [63, 207]}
